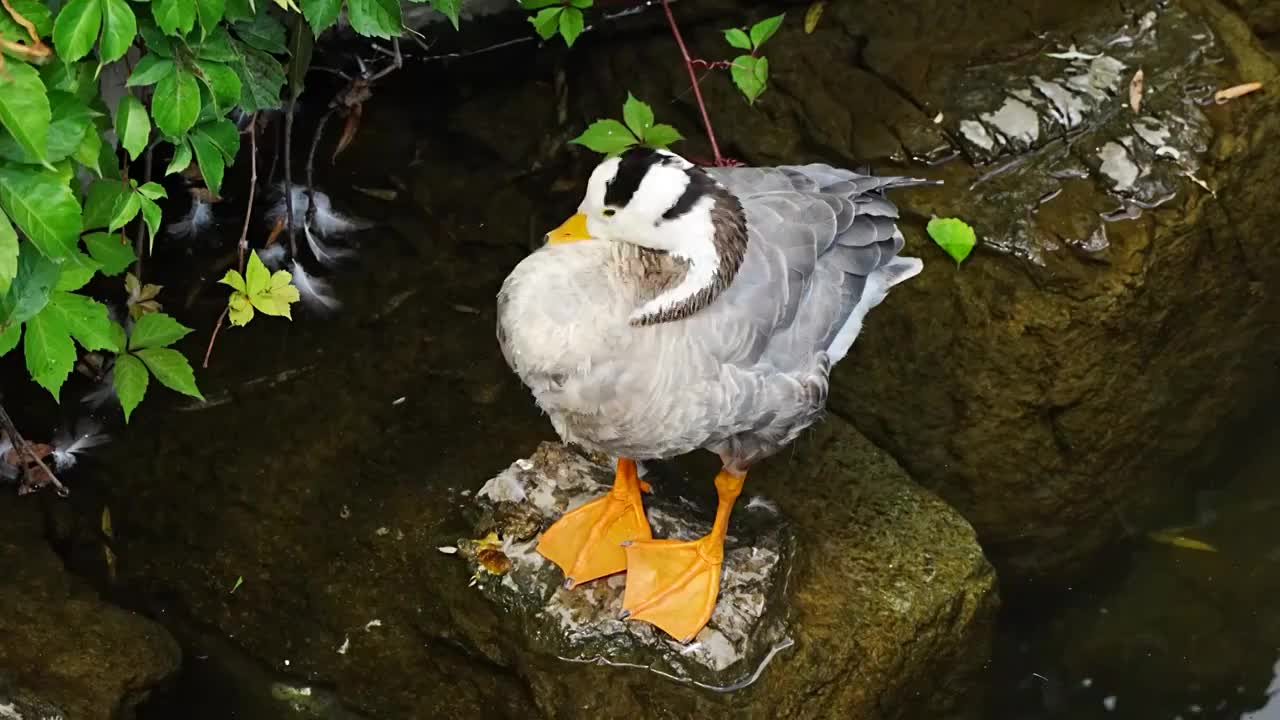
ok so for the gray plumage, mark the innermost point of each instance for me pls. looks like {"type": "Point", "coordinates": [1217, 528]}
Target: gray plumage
{"type": "Point", "coordinates": [744, 374]}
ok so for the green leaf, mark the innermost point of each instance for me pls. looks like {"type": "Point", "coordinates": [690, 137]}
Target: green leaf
{"type": "Point", "coordinates": [235, 280]}
{"type": "Point", "coordinates": [257, 279]}
{"type": "Point", "coordinates": [210, 159]}
{"type": "Point", "coordinates": [216, 46]}
{"type": "Point", "coordinates": [119, 27]}
{"type": "Point", "coordinates": [954, 236]}
{"type": "Point", "coordinates": [155, 40]}
{"type": "Point", "coordinates": [100, 203]}
{"type": "Point", "coordinates": [224, 136]}
{"type": "Point", "coordinates": [763, 30]}
{"type": "Point", "coordinates": [76, 29]}
{"type": "Point", "coordinates": [129, 377]}
{"type": "Point", "coordinates": [43, 207]}
{"type": "Point", "coordinates": [606, 136]}
{"type": "Point", "coordinates": [9, 339]}
{"type": "Point", "coordinates": [64, 76]}
{"type": "Point", "coordinates": [448, 8]}
{"type": "Point", "coordinates": [302, 43]}
{"type": "Point", "coordinates": [264, 32]}
{"type": "Point", "coordinates": [261, 77]}
{"type": "Point", "coordinates": [31, 287]}
{"type": "Point", "coordinates": [89, 152]}
{"type": "Point", "coordinates": [210, 13]}
{"type": "Point", "coordinates": [133, 127]}
{"type": "Point", "coordinates": [37, 11]}
{"type": "Point", "coordinates": [661, 136]}
{"type": "Point", "coordinates": [24, 108]}
{"type": "Point", "coordinates": [375, 18]}
{"type": "Point", "coordinates": [150, 70]}
{"type": "Point", "coordinates": [638, 116]}
{"type": "Point", "coordinates": [171, 369]}
{"type": "Point", "coordinates": [71, 121]}
{"type": "Point", "coordinates": [223, 84]}
{"type": "Point", "coordinates": [240, 10]}
{"type": "Point", "coordinates": [581, 4]}
{"type": "Point", "coordinates": [538, 4]}
{"type": "Point", "coordinates": [49, 351]}
{"type": "Point", "coordinates": [85, 318]}
{"type": "Point", "coordinates": [114, 256]}
{"type": "Point", "coordinates": [176, 104]}
{"type": "Point", "coordinates": [125, 210]}
{"type": "Point", "coordinates": [750, 75]}
{"type": "Point", "coordinates": [547, 22]}
{"type": "Point", "coordinates": [174, 17]}
{"type": "Point", "coordinates": [155, 330]}
{"type": "Point", "coordinates": [73, 276]}
{"type": "Point", "coordinates": [151, 216]}
{"type": "Point", "coordinates": [321, 14]}
{"type": "Point", "coordinates": [152, 191]}
{"type": "Point", "coordinates": [181, 157]}
{"type": "Point", "coordinates": [737, 38]}
{"type": "Point", "coordinates": [8, 255]}
{"type": "Point", "coordinates": [571, 23]}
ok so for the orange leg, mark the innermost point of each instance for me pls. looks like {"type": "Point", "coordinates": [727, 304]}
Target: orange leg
{"type": "Point", "coordinates": [587, 542]}
{"type": "Point", "coordinates": [673, 584]}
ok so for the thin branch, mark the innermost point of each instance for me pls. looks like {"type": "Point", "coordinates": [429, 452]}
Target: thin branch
{"type": "Point", "coordinates": [693, 79]}
{"type": "Point", "coordinates": [253, 188]}
{"type": "Point", "coordinates": [209, 350]}
{"type": "Point", "coordinates": [288, 177]}
{"type": "Point", "coordinates": [311, 164]}
{"type": "Point", "coordinates": [140, 233]}
{"type": "Point", "coordinates": [25, 448]}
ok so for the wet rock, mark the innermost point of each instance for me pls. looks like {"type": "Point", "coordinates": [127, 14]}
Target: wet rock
{"type": "Point", "coordinates": [1118, 310]}
{"type": "Point", "coordinates": [65, 653]}
{"type": "Point", "coordinates": [883, 609]}
{"type": "Point", "coordinates": [746, 631]}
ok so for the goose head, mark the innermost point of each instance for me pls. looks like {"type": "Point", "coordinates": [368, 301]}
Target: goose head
{"type": "Point", "coordinates": [659, 201]}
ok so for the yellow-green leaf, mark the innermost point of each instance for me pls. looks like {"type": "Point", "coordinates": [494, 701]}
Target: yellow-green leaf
{"type": "Point", "coordinates": [954, 236]}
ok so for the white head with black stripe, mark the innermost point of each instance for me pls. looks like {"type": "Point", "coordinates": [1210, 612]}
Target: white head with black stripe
{"type": "Point", "coordinates": [657, 200]}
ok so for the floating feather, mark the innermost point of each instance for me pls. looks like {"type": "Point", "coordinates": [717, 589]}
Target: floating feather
{"type": "Point", "coordinates": [327, 255]}
{"type": "Point", "coordinates": [272, 256]}
{"type": "Point", "coordinates": [327, 221]}
{"type": "Point", "coordinates": [66, 446]}
{"type": "Point", "coordinates": [194, 224]}
{"type": "Point", "coordinates": [316, 293]}
{"type": "Point", "coordinates": [102, 393]}
{"type": "Point", "coordinates": [7, 471]}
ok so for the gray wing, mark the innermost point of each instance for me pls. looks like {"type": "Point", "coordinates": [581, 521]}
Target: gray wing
{"type": "Point", "coordinates": [823, 248]}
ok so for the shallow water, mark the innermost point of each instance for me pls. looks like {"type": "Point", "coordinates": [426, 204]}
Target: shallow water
{"type": "Point", "coordinates": [404, 387]}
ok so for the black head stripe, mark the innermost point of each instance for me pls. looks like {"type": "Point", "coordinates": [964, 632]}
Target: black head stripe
{"type": "Point", "coordinates": [633, 165]}
{"type": "Point", "coordinates": [700, 185]}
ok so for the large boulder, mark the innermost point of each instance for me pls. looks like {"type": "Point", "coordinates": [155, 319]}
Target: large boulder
{"type": "Point", "coordinates": [65, 652]}
{"type": "Point", "coordinates": [334, 529]}
{"type": "Point", "coordinates": [1121, 307]}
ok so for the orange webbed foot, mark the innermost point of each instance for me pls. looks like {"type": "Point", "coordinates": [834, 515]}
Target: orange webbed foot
{"type": "Point", "coordinates": [587, 542]}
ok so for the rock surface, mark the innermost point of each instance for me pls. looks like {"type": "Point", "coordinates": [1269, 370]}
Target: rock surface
{"type": "Point", "coordinates": [65, 653]}
{"type": "Point", "coordinates": [1077, 363]}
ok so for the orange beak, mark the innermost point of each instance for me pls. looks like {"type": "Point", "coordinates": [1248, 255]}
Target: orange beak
{"type": "Point", "coordinates": [571, 230]}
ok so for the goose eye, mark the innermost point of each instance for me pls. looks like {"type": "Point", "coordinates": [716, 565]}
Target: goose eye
{"type": "Point", "coordinates": [608, 212]}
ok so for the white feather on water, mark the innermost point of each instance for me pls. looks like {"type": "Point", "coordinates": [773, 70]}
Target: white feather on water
{"type": "Point", "coordinates": [66, 446]}
{"type": "Point", "coordinates": [316, 293]}
{"type": "Point", "coordinates": [192, 225]}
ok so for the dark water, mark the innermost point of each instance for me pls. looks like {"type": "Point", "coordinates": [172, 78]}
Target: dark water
{"type": "Point", "coordinates": [1158, 631]}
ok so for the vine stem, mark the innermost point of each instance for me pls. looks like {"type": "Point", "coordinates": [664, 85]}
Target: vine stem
{"type": "Point", "coordinates": [243, 244]}
{"type": "Point", "coordinates": [693, 79]}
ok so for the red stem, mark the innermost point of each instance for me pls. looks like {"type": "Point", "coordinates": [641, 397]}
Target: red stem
{"type": "Point", "coordinates": [693, 79]}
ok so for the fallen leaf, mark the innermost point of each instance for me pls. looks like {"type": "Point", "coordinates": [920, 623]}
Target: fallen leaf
{"type": "Point", "coordinates": [239, 582]}
{"type": "Point", "coordinates": [954, 236]}
{"type": "Point", "coordinates": [494, 560]}
{"type": "Point", "coordinates": [1171, 537]}
{"type": "Point", "coordinates": [107, 530]}
{"type": "Point", "coordinates": [349, 131]}
{"type": "Point", "coordinates": [379, 193]}
{"type": "Point", "coordinates": [813, 15]}
{"type": "Point", "coordinates": [1236, 91]}
{"type": "Point", "coordinates": [1136, 86]}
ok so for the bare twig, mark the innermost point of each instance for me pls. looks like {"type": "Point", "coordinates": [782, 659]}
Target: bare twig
{"type": "Point", "coordinates": [311, 164]}
{"type": "Point", "coordinates": [288, 177]}
{"type": "Point", "coordinates": [25, 448]}
{"type": "Point", "coordinates": [209, 350]}
{"type": "Point", "coordinates": [243, 245]}
{"type": "Point", "coordinates": [253, 188]}
{"type": "Point", "coordinates": [693, 79]}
